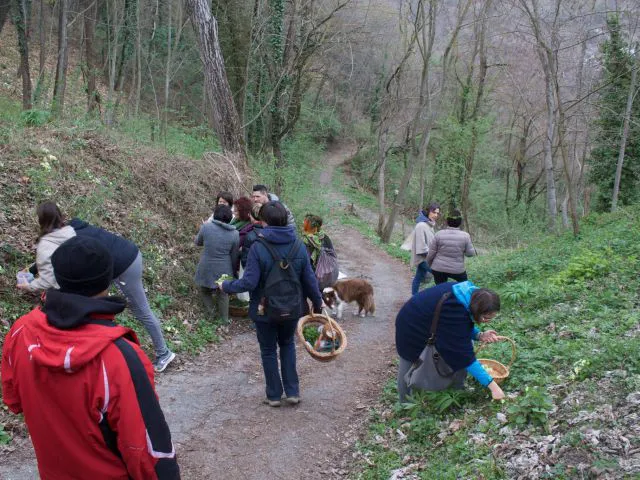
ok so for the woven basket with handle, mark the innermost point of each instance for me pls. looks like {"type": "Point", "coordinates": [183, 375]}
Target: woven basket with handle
{"type": "Point", "coordinates": [497, 370]}
{"type": "Point", "coordinates": [331, 331]}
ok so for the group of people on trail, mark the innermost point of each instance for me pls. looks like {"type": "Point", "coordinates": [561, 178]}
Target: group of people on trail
{"type": "Point", "coordinates": [437, 326]}
{"type": "Point", "coordinates": [82, 380]}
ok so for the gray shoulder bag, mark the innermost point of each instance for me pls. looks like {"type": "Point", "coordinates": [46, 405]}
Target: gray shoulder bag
{"type": "Point", "coordinates": [430, 371]}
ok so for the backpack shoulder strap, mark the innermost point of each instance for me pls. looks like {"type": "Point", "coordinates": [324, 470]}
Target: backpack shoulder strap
{"type": "Point", "coordinates": [295, 248]}
{"type": "Point", "coordinates": [269, 247]}
{"type": "Point", "coordinates": [436, 318]}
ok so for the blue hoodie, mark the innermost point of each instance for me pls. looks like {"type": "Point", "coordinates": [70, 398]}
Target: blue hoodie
{"type": "Point", "coordinates": [260, 261]}
{"type": "Point", "coordinates": [422, 217]}
{"type": "Point", "coordinates": [455, 328]}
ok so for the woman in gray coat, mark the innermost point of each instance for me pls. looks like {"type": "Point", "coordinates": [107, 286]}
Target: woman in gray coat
{"type": "Point", "coordinates": [448, 249]}
{"type": "Point", "coordinates": [220, 254]}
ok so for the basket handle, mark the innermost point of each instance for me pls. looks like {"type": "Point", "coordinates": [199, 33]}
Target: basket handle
{"type": "Point", "coordinates": [330, 324]}
{"type": "Point", "coordinates": [502, 339]}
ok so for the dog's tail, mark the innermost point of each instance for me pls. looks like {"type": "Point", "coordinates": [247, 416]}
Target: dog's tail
{"type": "Point", "coordinates": [370, 306]}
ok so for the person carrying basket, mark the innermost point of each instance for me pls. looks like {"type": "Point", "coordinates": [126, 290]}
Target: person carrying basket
{"type": "Point", "coordinates": [435, 330]}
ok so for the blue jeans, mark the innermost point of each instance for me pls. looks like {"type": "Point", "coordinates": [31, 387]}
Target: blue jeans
{"type": "Point", "coordinates": [270, 336]}
{"type": "Point", "coordinates": [421, 272]}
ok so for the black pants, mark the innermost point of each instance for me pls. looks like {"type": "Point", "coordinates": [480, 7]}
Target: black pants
{"type": "Point", "coordinates": [441, 277]}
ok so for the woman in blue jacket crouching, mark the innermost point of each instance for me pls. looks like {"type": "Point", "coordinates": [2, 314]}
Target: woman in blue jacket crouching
{"type": "Point", "coordinates": [466, 307]}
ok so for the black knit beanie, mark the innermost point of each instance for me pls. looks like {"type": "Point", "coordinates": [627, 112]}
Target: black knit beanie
{"type": "Point", "coordinates": [82, 265]}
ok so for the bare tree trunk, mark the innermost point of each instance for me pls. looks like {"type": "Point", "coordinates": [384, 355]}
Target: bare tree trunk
{"type": "Point", "coordinates": [91, 8]}
{"type": "Point", "coordinates": [564, 209]}
{"type": "Point", "coordinates": [545, 54]}
{"type": "Point", "coordinates": [21, 28]}
{"type": "Point", "coordinates": [625, 132]}
{"type": "Point", "coordinates": [138, 59]}
{"type": "Point", "coordinates": [423, 173]}
{"type": "Point", "coordinates": [113, 33]}
{"type": "Point", "coordinates": [167, 73]}
{"type": "Point", "coordinates": [5, 7]}
{"type": "Point", "coordinates": [482, 75]}
{"type": "Point", "coordinates": [382, 151]}
{"type": "Point", "coordinates": [43, 45]}
{"type": "Point", "coordinates": [226, 121]}
{"type": "Point", "coordinates": [60, 84]}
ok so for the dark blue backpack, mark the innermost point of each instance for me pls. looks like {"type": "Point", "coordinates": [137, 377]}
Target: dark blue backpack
{"type": "Point", "coordinates": [282, 289]}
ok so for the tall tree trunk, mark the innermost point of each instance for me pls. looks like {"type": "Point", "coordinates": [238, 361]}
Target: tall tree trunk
{"type": "Point", "coordinates": [226, 120]}
{"type": "Point", "coordinates": [5, 7]}
{"type": "Point", "coordinates": [43, 44]}
{"type": "Point", "coordinates": [571, 197]}
{"type": "Point", "coordinates": [21, 22]}
{"type": "Point", "coordinates": [167, 72]}
{"type": "Point", "coordinates": [545, 54]}
{"type": "Point", "coordinates": [625, 131]}
{"type": "Point", "coordinates": [138, 59]}
{"type": "Point", "coordinates": [552, 207]}
{"type": "Point", "coordinates": [60, 84]}
{"type": "Point", "coordinates": [382, 165]}
{"type": "Point", "coordinates": [125, 51]}
{"type": "Point", "coordinates": [482, 75]}
{"type": "Point", "coordinates": [91, 9]}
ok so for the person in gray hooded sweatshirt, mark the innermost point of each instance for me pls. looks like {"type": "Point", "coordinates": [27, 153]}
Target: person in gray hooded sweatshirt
{"type": "Point", "coordinates": [220, 254]}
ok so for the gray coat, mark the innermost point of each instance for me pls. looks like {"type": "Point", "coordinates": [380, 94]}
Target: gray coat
{"type": "Point", "coordinates": [448, 249]}
{"type": "Point", "coordinates": [220, 252]}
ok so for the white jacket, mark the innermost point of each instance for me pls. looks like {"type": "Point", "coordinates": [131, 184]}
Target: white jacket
{"type": "Point", "coordinates": [46, 246]}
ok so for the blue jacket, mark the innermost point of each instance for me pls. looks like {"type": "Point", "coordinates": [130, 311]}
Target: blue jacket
{"type": "Point", "coordinates": [455, 333]}
{"type": "Point", "coordinates": [123, 251]}
{"type": "Point", "coordinates": [259, 263]}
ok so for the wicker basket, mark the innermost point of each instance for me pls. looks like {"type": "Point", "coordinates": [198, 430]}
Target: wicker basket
{"type": "Point", "coordinates": [238, 311]}
{"type": "Point", "coordinates": [498, 371]}
{"type": "Point", "coordinates": [331, 331]}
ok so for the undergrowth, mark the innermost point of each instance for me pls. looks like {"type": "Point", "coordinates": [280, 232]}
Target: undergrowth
{"type": "Point", "coordinates": [571, 306]}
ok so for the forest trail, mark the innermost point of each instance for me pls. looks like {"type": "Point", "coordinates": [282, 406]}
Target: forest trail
{"type": "Point", "coordinates": [213, 404]}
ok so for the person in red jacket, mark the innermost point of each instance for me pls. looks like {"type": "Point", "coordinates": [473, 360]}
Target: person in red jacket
{"type": "Point", "coordinates": [83, 383]}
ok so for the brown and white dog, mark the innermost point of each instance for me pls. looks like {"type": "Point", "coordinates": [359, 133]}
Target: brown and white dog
{"type": "Point", "coordinates": [350, 290]}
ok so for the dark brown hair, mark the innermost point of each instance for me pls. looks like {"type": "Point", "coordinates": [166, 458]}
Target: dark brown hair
{"type": "Point", "coordinates": [483, 301]}
{"type": "Point", "coordinates": [226, 196]}
{"type": "Point", "coordinates": [243, 207]}
{"type": "Point", "coordinates": [50, 218]}
{"type": "Point", "coordinates": [274, 214]}
{"type": "Point", "coordinates": [454, 218]}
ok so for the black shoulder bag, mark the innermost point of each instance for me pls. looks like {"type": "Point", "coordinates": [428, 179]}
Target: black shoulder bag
{"type": "Point", "coordinates": [430, 371]}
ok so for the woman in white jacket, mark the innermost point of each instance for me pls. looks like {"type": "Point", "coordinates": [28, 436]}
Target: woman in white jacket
{"type": "Point", "coordinates": [53, 233]}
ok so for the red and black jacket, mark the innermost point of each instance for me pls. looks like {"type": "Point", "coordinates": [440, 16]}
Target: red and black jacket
{"type": "Point", "coordinates": [86, 390]}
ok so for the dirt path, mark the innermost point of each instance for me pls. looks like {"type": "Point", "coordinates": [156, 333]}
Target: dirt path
{"type": "Point", "coordinates": [213, 404]}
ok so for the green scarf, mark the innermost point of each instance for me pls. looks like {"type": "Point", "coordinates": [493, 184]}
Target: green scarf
{"type": "Point", "coordinates": [238, 224]}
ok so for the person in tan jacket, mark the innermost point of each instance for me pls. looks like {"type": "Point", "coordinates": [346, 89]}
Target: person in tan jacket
{"type": "Point", "coordinates": [53, 233]}
{"type": "Point", "coordinates": [422, 236]}
{"type": "Point", "coordinates": [447, 250]}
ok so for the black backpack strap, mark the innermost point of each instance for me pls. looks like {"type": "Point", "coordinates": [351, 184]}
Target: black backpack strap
{"type": "Point", "coordinates": [436, 318]}
{"type": "Point", "coordinates": [276, 257]}
{"type": "Point", "coordinates": [272, 251]}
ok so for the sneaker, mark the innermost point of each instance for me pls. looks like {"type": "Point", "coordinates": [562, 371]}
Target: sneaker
{"type": "Point", "coordinates": [272, 403]}
{"type": "Point", "coordinates": [293, 400]}
{"type": "Point", "coordinates": [163, 361]}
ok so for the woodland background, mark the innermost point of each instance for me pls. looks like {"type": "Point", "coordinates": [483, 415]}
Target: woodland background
{"type": "Point", "coordinates": [520, 112]}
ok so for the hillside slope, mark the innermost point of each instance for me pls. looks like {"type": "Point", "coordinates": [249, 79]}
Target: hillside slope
{"type": "Point", "coordinates": [571, 305]}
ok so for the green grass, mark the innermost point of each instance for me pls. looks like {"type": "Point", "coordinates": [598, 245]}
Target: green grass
{"type": "Point", "coordinates": [571, 306]}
